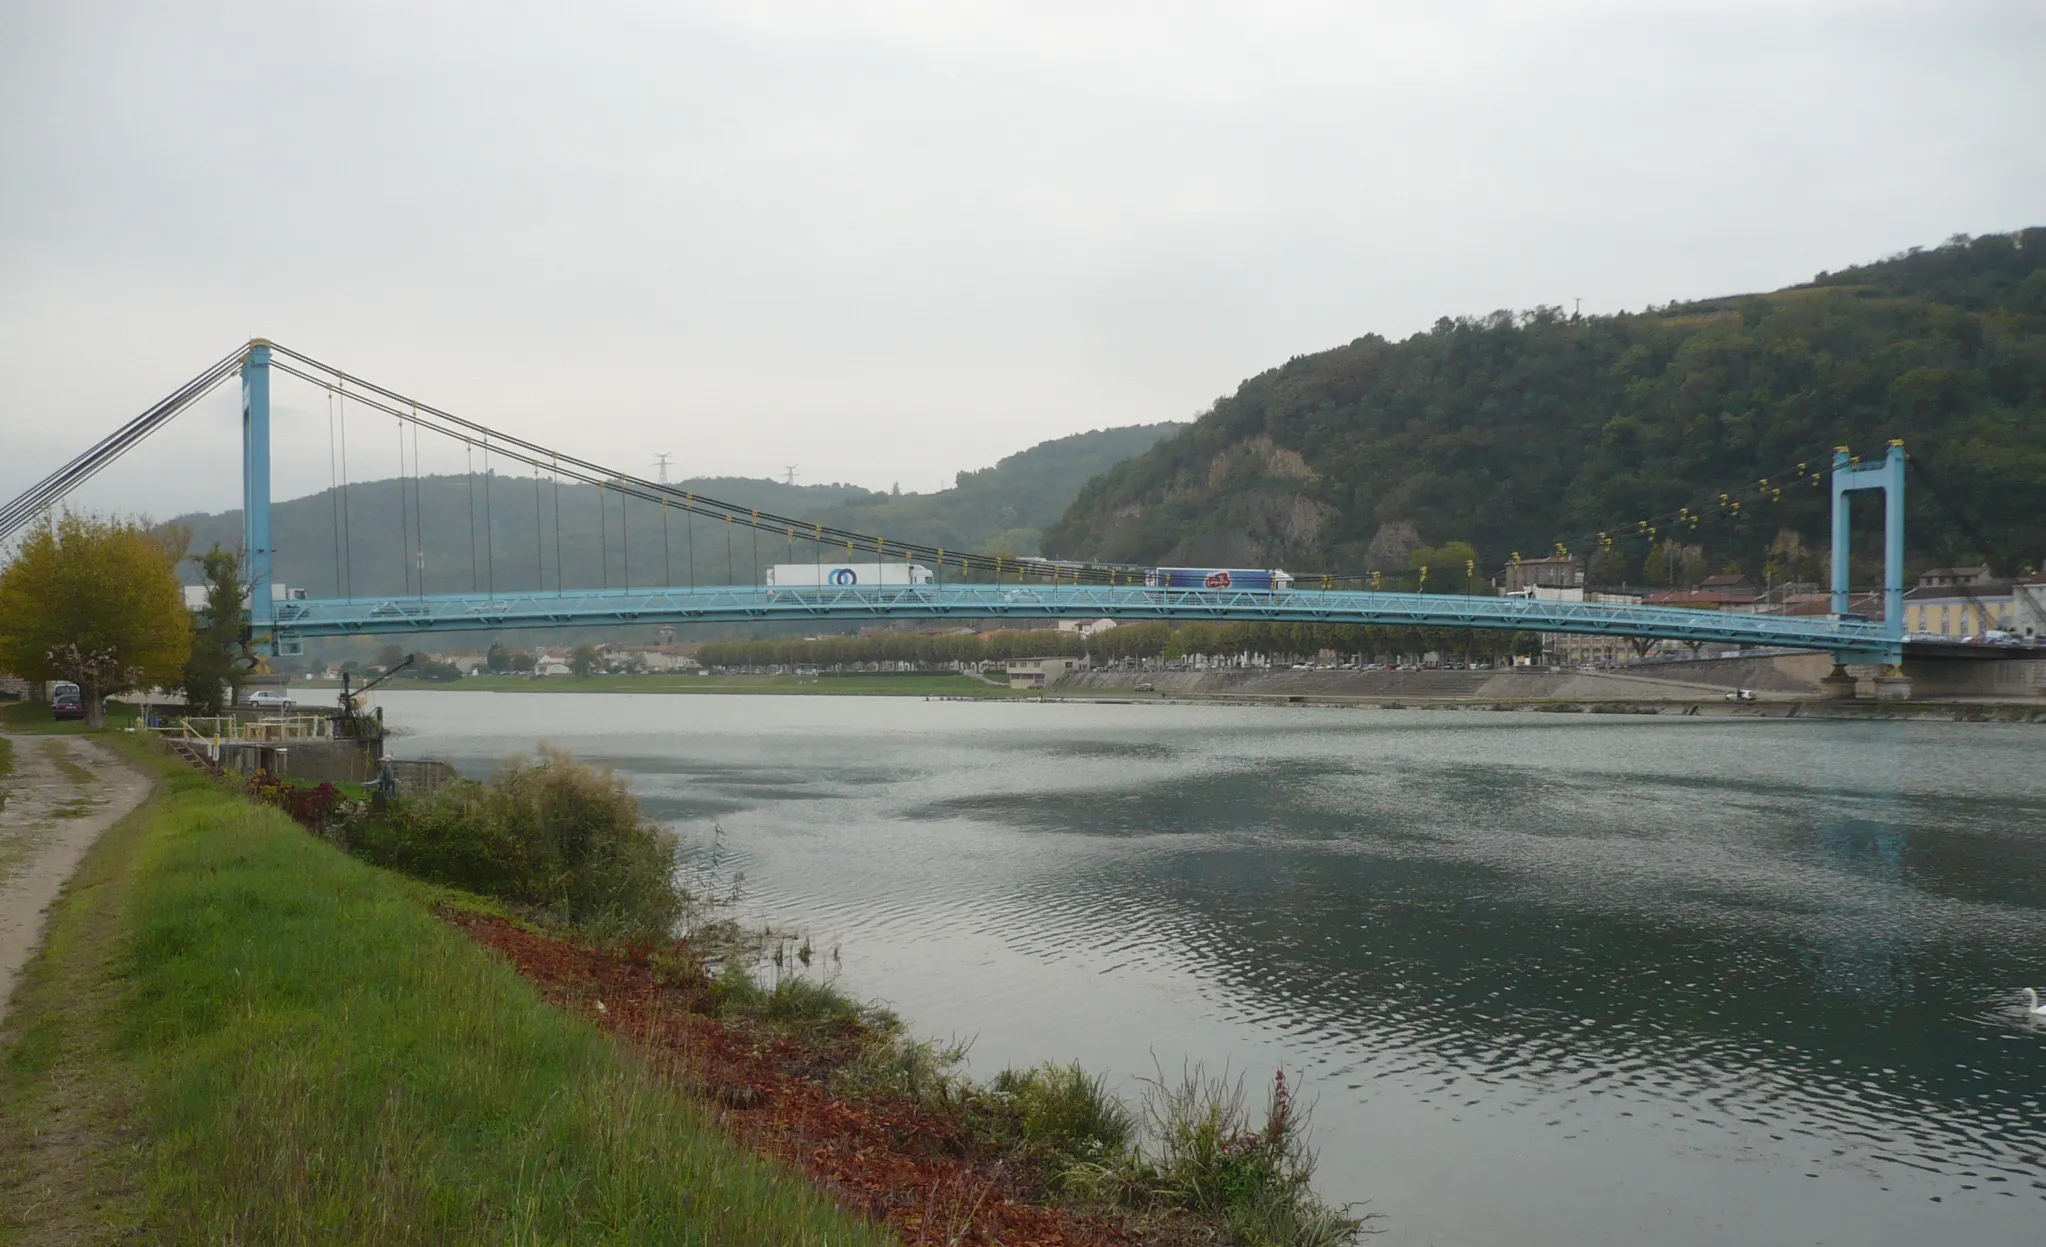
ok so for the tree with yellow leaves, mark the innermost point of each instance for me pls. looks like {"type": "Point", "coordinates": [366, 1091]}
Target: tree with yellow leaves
{"type": "Point", "coordinates": [97, 602]}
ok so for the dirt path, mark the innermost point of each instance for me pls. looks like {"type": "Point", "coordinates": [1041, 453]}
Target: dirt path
{"type": "Point", "coordinates": [63, 793]}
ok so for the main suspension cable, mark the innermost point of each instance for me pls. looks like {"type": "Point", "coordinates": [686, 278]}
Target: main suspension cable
{"type": "Point", "coordinates": [334, 494]}
{"type": "Point", "coordinates": [539, 541]}
{"type": "Point", "coordinates": [489, 536]}
{"type": "Point", "coordinates": [586, 472]}
{"type": "Point", "coordinates": [418, 508]}
{"type": "Point", "coordinates": [347, 537]}
{"type": "Point", "coordinates": [404, 523]}
{"type": "Point", "coordinates": [469, 455]}
{"type": "Point", "coordinates": [45, 493]}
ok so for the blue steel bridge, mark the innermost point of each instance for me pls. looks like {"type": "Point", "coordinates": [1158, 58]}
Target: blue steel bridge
{"type": "Point", "coordinates": [1853, 640]}
{"type": "Point", "coordinates": [1026, 590]}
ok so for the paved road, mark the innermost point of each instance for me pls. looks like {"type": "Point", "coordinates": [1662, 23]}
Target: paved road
{"type": "Point", "coordinates": [64, 792]}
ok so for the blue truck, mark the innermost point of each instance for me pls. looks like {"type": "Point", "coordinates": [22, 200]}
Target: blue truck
{"type": "Point", "coordinates": [1256, 579]}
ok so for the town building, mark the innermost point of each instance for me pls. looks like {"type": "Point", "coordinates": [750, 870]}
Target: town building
{"type": "Point", "coordinates": [2028, 608]}
{"type": "Point", "coordinates": [663, 658]}
{"type": "Point", "coordinates": [1962, 602]}
{"type": "Point", "coordinates": [1038, 672]}
{"type": "Point", "coordinates": [1085, 627]}
{"type": "Point", "coordinates": [1731, 594]}
{"type": "Point", "coordinates": [1733, 584]}
{"type": "Point", "coordinates": [1554, 572]}
{"type": "Point", "coordinates": [1571, 649]}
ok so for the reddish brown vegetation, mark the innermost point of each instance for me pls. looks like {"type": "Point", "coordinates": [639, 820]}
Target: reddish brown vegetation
{"type": "Point", "coordinates": [927, 1175]}
{"type": "Point", "coordinates": [311, 807]}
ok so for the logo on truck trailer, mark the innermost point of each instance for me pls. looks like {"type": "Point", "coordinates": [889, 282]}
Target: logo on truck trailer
{"type": "Point", "coordinates": [842, 576]}
{"type": "Point", "coordinates": [1218, 580]}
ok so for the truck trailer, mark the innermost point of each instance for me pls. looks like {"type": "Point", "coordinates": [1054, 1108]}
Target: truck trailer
{"type": "Point", "coordinates": [845, 575]}
{"type": "Point", "coordinates": [1256, 579]}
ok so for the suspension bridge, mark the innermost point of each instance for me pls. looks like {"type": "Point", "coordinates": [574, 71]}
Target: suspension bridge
{"type": "Point", "coordinates": [965, 586]}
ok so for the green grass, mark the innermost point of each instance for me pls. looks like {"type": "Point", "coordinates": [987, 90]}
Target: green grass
{"type": "Point", "coordinates": [60, 758]}
{"type": "Point", "coordinates": [302, 1053]}
{"type": "Point", "coordinates": [6, 757]}
{"type": "Point", "coordinates": [34, 716]}
{"type": "Point", "coordinates": [920, 685]}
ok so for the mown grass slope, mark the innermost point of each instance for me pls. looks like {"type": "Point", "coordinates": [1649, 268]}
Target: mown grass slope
{"type": "Point", "coordinates": [266, 1041]}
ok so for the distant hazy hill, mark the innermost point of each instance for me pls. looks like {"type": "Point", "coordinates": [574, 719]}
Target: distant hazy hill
{"type": "Point", "coordinates": [501, 532]}
{"type": "Point", "coordinates": [1000, 509]}
{"type": "Point", "coordinates": [1513, 432]}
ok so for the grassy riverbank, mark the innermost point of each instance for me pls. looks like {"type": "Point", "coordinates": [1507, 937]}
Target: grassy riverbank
{"type": "Point", "coordinates": [239, 1030]}
{"type": "Point", "coordinates": [236, 1033]}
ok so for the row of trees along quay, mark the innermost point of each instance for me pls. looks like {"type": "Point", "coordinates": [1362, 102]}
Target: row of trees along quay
{"type": "Point", "coordinates": [1219, 643]}
{"type": "Point", "coordinates": [98, 602]}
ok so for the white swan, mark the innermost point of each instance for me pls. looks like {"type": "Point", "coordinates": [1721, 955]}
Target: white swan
{"type": "Point", "coordinates": [2032, 1005]}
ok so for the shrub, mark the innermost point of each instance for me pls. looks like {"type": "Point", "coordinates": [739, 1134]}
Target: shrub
{"type": "Point", "coordinates": [924, 1071]}
{"type": "Point", "coordinates": [1060, 1112]}
{"type": "Point", "coordinates": [1204, 1157]}
{"type": "Point", "coordinates": [548, 832]}
{"type": "Point", "coordinates": [312, 806]}
{"type": "Point", "coordinates": [796, 1002]}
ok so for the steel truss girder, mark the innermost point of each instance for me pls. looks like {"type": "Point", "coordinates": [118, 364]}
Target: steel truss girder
{"type": "Point", "coordinates": [1864, 641]}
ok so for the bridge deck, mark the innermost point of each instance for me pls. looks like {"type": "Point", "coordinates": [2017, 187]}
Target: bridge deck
{"type": "Point", "coordinates": [1861, 641]}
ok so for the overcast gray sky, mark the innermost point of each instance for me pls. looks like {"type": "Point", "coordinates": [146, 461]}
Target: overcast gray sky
{"type": "Point", "coordinates": [886, 242]}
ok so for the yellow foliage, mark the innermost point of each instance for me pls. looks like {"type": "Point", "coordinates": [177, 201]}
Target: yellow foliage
{"type": "Point", "coordinates": [96, 601]}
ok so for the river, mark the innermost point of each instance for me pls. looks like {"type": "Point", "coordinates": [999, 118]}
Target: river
{"type": "Point", "coordinates": [1551, 979]}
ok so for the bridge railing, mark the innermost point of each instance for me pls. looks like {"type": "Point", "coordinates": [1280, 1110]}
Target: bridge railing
{"type": "Point", "coordinates": [754, 603]}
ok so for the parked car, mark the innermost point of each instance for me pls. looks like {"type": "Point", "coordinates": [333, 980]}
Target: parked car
{"type": "Point", "coordinates": [268, 699]}
{"type": "Point", "coordinates": [1144, 687]}
{"type": "Point", "coordinates": [67, 706]}
{"type": "Point", "coordinates": [1741, 694]}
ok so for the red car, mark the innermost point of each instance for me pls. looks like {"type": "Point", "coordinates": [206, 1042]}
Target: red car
{"type": "Point", "coordinates": [67, 706]}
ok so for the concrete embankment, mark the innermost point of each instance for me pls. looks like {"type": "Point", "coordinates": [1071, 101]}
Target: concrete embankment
{"type": "Point", "coordinates": [1512, 685]}
{"type": "Point", "coordinates": [1994, 674]}
{"type": "Point", "coordinates": [1660, 689]}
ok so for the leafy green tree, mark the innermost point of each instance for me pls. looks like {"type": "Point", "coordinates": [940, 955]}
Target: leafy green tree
{"type": "Point", "coordinates": [1452, 567]}
{"type": "Point", "coordinates": [389, 657]}
{"type": "Point", "coordinates": [497, 660]}
{"type": "Point", "coordinates": [429, 669]}
{"type": "Point", "coordinates": [1675, 564]}
{"type": "Point", "coordinates": [97, 602]}
{"type": "Point", "coordinates": [583, 662]}
{"type": "Point", "coordinates": [522, 662]}
{"type": "Point", "coordinates": [220, 639]}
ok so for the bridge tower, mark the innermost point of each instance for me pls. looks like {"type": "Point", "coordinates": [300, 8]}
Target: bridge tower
{"type": "Point", "coordinates": [256, 483]}
{"type": "Point", "coordinates": [1887, 476]}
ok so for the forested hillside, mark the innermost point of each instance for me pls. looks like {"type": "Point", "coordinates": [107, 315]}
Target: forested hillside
{"type": "Point", "coordinates": [1513, 432]}
{"type": "Point", "coordinates": [513, 533]}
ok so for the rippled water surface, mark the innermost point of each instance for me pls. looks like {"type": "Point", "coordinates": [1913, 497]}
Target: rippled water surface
{"type": "Point", "coordinates": [1552, 980]}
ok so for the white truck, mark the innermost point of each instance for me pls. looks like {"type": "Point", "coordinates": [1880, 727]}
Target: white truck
{"type": "Point", "coordinates": [845, 575]}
